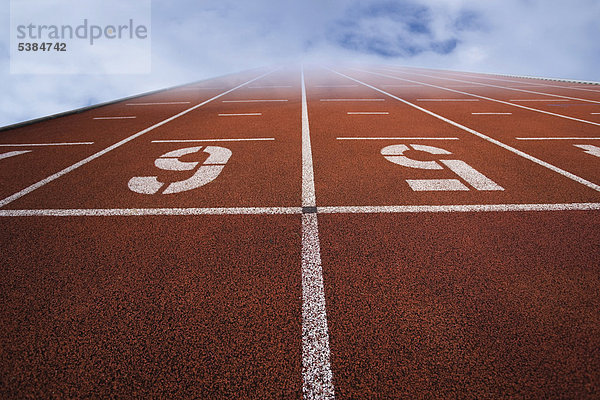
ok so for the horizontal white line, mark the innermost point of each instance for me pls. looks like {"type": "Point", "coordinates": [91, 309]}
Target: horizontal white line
{"type": "Point", "coordinates": [334, 86]}
{"type": "Point", "coordinates": [239, 115]}
{"type": "Point", "coordinates": [45, 144]}
{"type": "Point", "coordinates": [367, 112]}
{"type": "Point", "coordinates": [352, 99]}
{"type": "Point", "coordinates": [158, 104]}
{"type": "Point", "coordinates": [407, 86]}
{"type": "Point", "coordinates": [447, 99]}
{"type": "Point", "coordinates": [269, 87]}
{"type": "Point", "coordinates": [559, 138]}
{"type": "Point", "coordinates": [198, 88]}
{"type": "Point", "coordinates": [250, 101]}
{"type": "Point", "coordinates": [460, 208]}
{"type": "Point", "coordinates": [211, 140]}
{"type": "Point", "coordinates": [490, 113]}
{"type": "Point", "coordinates": [552, 100]}
{"type": "Point", "coordinates": [115, 117]}
{"type": "Point", "coordinates": [130, 212]}
{"type": "Point", "coordinates": [595, 113]}
{"type": "Point", "coordinates": [397, 138]}
{"type": "Point", "coordinates": [463, 86]}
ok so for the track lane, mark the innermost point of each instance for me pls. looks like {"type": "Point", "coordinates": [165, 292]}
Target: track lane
{"type": "Point", "coordinates": [191, 307]}
{"type": "Point", "coordinates": [257, 174]}
{"type": "Point", "coordinates": [495, 305]}
{"type": "Point", "coordinates": [20, 172]}
{"type": "Point", "coordinates": [475, 82]}
{"type": "Point", "coordinates": [574, 87]}
{"type": "Point", "coordinates": [521, 123]}
{"type": "Point", "coordinates": [371, 179]}
{"type": "Point", "coordinates": [93, 157]}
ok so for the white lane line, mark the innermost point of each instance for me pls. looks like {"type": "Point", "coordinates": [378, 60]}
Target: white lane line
{"type": "Point", "coordinates": [539, 100]}
{"type": "Point", "coordinates": [335, 86]}
{"type": "Point", "coordinates": [352, 100]}
{"type": "Point", "coordinates": [197, 88]}
{"type": "Point", "coordinates": [158, 104]}
{"type": "Point", "coordinates": [397, 138]}
{"type": "Point", "coordinates": [212, 140]}
{"type": "Point", "coordinates": [73, 167]}
{"type": "Point", "coordinates": [521, 82]}
{"type": "Point", "coordinates": [367, 113]}
{"type": "Point", "coordinates": [558, 138]}
{"type": "Point", "coordinates": [309, 198]}
{"type": "Point", "coordinates": [240, 115]}
{"type": "Point", "coordinates": [135, 212]}
{"type": "Point", "coordinates": [463, 86]}
{"type": "Point", "coordinates": [403, 86]}
{"type": "Point", "coordinates": [549, 166]}
{"type": "Point", "coordinates": [485, 98]}
{"type": "Point", "coordinates": [316, 367]}
{"type": "Point", "coordinates": [490, 113]}
{"type": "Point", "coordinates": [447, 100]}
{"type": "Point", "coordinates": [45, 144]}
{"type": "Point", "coordinates": [253, 101]}
{"type": "Point", "coordinates": [480, 84]}
{"type": "Point", "coordinates": [13, 154]}
{"type": "Point", "coordinates": [131, 117]}
{"type": "Point", "coordinates": [269, 87]}
{"type": "Point", "coordinates": [460, 208]}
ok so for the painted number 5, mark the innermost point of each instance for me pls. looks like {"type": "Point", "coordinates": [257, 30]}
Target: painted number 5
{"type": "Point", "coordinates": [476, 179]}
{"type": "Point", "coordinates": [208, 171]}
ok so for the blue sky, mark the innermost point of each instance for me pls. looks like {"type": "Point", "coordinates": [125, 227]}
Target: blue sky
{"type": "Point", "coordinates": [193, 40]}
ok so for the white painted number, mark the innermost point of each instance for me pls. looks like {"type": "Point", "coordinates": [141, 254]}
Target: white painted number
{"type": "Point", "coordinates": [395, 154]}
{"type": "Point", "coordinates": [208, 171]}
{"type": "Point", "coordinates": [13, 154]}
{"type": "Point", "coordinates": [589, 149]}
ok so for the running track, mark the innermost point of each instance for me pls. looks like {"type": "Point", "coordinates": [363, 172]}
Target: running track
{"type": "Point", "coordinates": [350, 233]}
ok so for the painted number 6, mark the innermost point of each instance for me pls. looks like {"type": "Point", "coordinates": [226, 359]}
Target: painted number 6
{"type": "Point", "coordinates": [208, 171]}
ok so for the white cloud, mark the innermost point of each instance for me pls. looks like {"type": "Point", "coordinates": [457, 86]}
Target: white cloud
{"type": "Point", "coordinates": [192, 40]}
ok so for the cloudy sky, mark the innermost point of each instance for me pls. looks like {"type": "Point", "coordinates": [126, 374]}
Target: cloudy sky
{"type": "Point", "coordinates": [197, 39]}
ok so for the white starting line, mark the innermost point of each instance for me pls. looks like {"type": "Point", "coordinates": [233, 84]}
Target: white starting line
{"type": "Point", "coordinates": [129, 117]}
{"type": "Point", "coordinates": [352, 100]}
{"type": "Point", "coordinates": [558, 138]}
{"type": "Point", "coordinates": [197, 88]}
{"type": "Point", "coordinates": [241, 115]}
{"type": "Point", "coordinates": [212, 140]}
{"type": "Point", "coordinates": [335, 86]}
{"type": "Point", "coordinates": [400, 209]}
{"type": "Point", "coordinates": [158, 104]}
{"type": "Point", "coordinates": [253, 101]}
{"type": "Point", "coordinates": [442, 100]}
{"type": "Point", "coordinates": [397, 138]}
{"type": "Point", "coordinates": [491, 113]}
{"type": "Point", "coordinates": [540, 100]}
{"type": "Point", "coordinates": [367, 113]}
{"type": "Point", "coordinates": [45, 144]}
{"type": "Point", "coordinates": [269, 87]}
{"type": "Point", "coordinates": [403, 86]}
